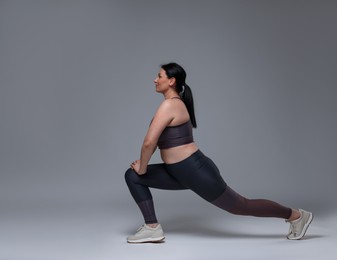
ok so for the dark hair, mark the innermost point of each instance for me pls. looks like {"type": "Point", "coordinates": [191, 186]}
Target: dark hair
{"type": "Point", "coordinates": [173, 70]}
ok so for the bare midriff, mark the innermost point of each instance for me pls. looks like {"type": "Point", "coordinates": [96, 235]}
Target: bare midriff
{"type": "Point", "coordinates": [178, 153]}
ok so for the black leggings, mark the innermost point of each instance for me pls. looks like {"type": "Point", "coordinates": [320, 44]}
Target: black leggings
{"type": "Point", "coordinates": [199, 174]}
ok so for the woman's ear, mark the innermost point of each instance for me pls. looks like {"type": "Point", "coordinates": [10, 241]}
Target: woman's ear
{"type": "Point", "coordinates": [172, 82]}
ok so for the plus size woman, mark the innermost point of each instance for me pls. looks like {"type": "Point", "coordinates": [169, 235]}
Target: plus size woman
{"type": "Point", "coordinates": [186, 167]}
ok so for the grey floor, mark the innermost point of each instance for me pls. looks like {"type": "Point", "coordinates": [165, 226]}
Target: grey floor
{"type": "Point", "coordinates": [97, 231]}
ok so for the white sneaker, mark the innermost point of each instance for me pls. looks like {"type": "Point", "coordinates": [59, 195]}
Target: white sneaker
{"type": "Point", "coordinates": [299, 226]}
{"type": "Point", "coordinates": [147, 234]}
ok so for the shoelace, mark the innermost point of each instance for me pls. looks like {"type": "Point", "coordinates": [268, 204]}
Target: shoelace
{"type": "Point", "coordinates": [293, 226]}
{"type": "Point", "coordinates": [140, 229]}
{"type": "Point", "coordinates": [292, 229]}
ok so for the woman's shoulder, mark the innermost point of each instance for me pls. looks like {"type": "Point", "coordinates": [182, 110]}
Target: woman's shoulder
{"type": "Point", "coordinates": [167, 104]}
{"type": "Point", "coordinates": [166, 107]}
{"type": "Point", "coordinates": [172, 102]}
{"type": "Point", "coordinates": [173, 107]}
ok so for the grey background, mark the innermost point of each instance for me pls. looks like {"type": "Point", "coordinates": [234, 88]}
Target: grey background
{"type": "Point", "coordinates": [76, 96]}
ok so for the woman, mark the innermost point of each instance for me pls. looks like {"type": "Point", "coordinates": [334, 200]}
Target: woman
{"type": "Point", "coordinates": [186, 167]}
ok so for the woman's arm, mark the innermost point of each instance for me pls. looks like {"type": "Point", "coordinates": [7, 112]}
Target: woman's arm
{"type": "Point", "coordinates": [162, 118]}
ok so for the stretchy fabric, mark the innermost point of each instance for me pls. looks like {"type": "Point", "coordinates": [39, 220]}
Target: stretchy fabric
{"type": "Point", "coordinates": [176, 135]}
{"type": "Point", "coordinates": [147, 208]}
{"type": "Point", "coordinates": [199, 174]}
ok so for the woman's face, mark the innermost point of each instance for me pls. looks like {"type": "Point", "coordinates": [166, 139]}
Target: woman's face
{"type": "Point", "coordinates": [162, 82]}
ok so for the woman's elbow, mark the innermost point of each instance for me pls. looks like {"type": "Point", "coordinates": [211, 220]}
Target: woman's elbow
{"type": "Point", "coordinates": [149, 144]}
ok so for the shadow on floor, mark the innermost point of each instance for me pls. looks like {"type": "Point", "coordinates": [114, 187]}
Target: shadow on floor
{"type": "Point", "coordinates": [208, 228]}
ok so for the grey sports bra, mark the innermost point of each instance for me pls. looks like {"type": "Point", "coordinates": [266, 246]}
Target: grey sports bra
{"type": "Point", "coordinates": [173, 136]}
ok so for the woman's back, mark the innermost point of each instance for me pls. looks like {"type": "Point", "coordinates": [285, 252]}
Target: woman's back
{"type": "Point", "coordinates": [180, 117]}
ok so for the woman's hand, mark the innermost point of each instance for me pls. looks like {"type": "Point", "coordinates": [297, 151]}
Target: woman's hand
{"type": "Point", "coordinates": [136, 167]}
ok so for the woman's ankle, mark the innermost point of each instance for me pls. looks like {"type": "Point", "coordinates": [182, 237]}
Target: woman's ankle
{"type": "Point", "coordinates": [295, 214]}
{"type": "Point", "coordinates": [153, 225]}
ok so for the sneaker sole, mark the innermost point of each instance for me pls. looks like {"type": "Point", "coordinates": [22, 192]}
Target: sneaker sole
{"type": "Point", "coordinates": [146, 240]}
{"type": "Point", "coordinates": [304, 230]}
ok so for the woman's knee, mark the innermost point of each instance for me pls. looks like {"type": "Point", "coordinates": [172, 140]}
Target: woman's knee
{"type": "Point", "coordinates": [130, 175]}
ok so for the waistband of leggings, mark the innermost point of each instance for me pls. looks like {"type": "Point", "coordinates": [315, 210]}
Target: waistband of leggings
{"type": "Point", "coordinates": [193, 157]}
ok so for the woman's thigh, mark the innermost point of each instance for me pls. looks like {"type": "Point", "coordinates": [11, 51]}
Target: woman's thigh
{"type": "Point", "coordinates": [157, 177]}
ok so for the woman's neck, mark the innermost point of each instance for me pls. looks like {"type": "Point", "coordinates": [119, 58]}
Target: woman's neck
{"type": "Point", "coordinates": [171, 95]}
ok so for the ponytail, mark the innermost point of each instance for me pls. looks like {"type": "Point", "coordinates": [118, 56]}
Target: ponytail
{"type": "Point", "coordinates": [187, 97]}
